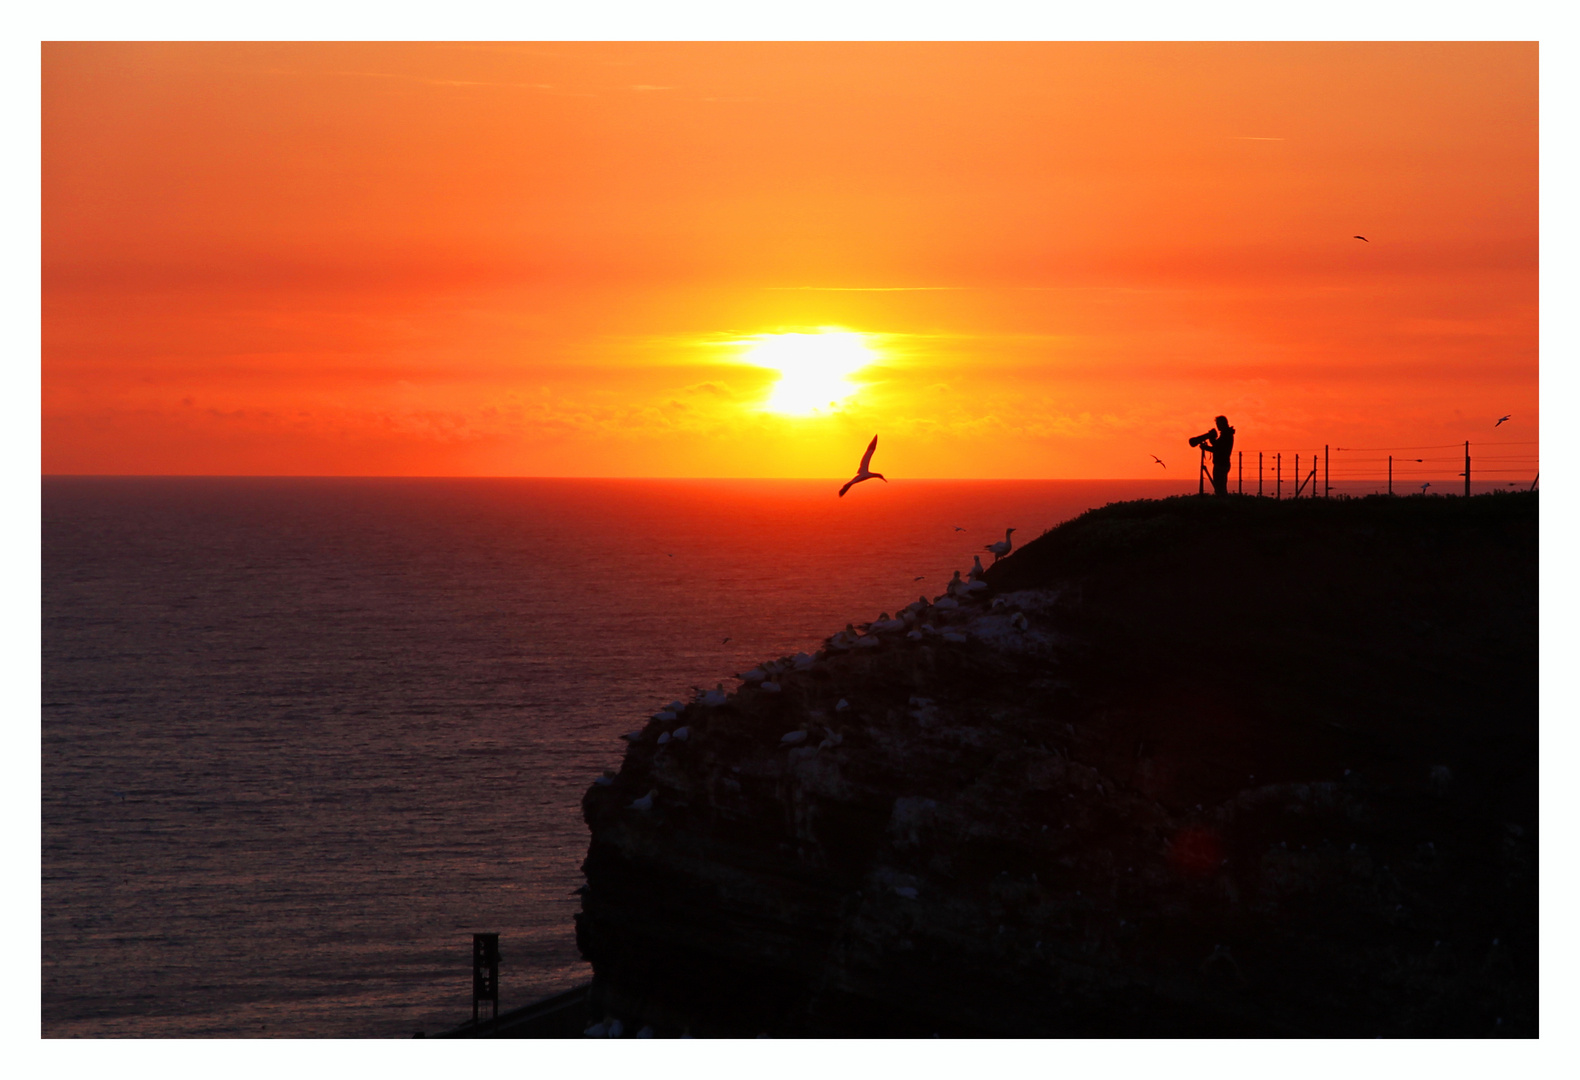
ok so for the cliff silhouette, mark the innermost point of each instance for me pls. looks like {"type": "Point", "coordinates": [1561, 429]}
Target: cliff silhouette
{"type": "Point", "coordinates": [1184, 767]}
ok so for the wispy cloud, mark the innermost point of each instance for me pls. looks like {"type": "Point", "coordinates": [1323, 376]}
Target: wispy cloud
{"type": "Point", "coordinates": [1257, 138]}
{"type": "Point", "coordinates": [866, 288]}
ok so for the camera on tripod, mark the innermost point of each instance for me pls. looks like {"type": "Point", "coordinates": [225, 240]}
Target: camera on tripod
{"type": "Point", "coordinates": [1197, 440]}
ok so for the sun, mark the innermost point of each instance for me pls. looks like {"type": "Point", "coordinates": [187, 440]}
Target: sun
{"type": "Point", "coordinates": [814, 368]}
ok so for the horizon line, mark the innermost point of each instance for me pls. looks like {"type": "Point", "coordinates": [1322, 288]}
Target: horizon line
{"type": "Point", "coordinates": [526, 476]}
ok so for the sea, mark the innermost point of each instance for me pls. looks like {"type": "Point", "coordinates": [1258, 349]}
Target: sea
{"type": "Point", "coordinates": [301, 737]}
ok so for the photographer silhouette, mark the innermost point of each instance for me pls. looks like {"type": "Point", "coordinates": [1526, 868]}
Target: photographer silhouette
{"type": "Point", "coordinates": [1221, 442]}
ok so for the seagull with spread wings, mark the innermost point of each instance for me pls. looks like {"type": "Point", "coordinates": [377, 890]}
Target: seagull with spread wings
{"type": "Point", "coordinates": [1501, 419]}
{"type": "Point", "coordinates": [1158, 460]}
{"type": "Point", "coordinates": [862, 472]}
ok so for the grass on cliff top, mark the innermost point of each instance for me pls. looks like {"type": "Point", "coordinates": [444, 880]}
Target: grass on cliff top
{"type": "Point", "coordinates": [1300, 638]}
{"type": "Point", "coordinates": [1141, 530]}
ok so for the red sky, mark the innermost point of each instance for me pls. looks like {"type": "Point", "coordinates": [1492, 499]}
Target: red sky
{"type": "Point", "coordinates": [554, 259]}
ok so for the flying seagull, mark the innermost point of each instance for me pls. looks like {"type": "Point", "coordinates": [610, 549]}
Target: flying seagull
{"type": "Point", "coordinates": [1501, 419]}
{"type": "Point", "coordinates": [862, 472]}
{"type": "Point", "coordinates": [1158, 460]}
{"type": "Point", "coordinates": [959, 529]}
{"type": "Point", "coordinates": [1362, 238]}
{"type": "Point", "coordinates": [918, 577]}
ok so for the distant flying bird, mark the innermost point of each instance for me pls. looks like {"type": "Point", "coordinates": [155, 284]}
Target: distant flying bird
{"type": "Point", "coordinates": [918, 577]}
{"type": "Point", "coordinates": [1501, 419]}
{"type": "Point", "coordinates": [1001, 548]}
{"type": "Point", "coordinates": [862, 472]}
{"type": "Point", "coordinates": [959, 529]}
{"type": "Point", "coordinates": [1158, 460]}
{"type": "Point", "coordinates": [1362, 238]}
{"type": "Point", "coordinates": [726, 641]}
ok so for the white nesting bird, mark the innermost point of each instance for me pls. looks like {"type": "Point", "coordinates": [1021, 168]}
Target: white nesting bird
{"type": "Point", "coordinates": [616, 1029]}
{"type": "Point", "coordinates": [954, 584]}
{"type": "Point", "coordinates": [842, 705]}
{"type": "Point", "coordinates": [644, 803]}
{"type": "Point", "coordinates": [792, 738]}
{"type": "Point", "coordinates": [1001, 548]}
{"type": "Point", "coordinates": [977, 571]}
{"type": "Point", "coordinates": [683, 733]}
{"type": "Point", "coordinates": [663, 738]}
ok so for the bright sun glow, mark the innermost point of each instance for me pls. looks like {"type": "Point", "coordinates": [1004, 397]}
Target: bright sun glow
{"type": "Point", "coordinates": [814, 369]}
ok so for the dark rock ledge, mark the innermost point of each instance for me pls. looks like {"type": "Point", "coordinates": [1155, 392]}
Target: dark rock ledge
{"type": "Point", "coordinates": [1183, 767]}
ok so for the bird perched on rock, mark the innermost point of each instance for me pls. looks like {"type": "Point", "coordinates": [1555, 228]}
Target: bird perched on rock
{"type": "Point", "coordinates": [862, 472]}
{"type": "Point", "coordinates": [1001, 548]}
{"type": "Point", "coordinates": [954, 584]}
{"type": "Point", "coordinates": [977, 571]}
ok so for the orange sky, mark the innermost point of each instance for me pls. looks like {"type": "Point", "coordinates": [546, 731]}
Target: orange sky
{"type": "Point", "coordinates": [551, 259]}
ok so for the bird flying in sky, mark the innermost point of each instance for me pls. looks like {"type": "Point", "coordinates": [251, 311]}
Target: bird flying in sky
{"type": "Point", "coordinates": [1158, 460]}
{"type": "Point", "coordinates": [1362, 238]}
{"type": "Point", "coordinates": [862, 472]}
{"type": "Point", "coordinates": [1501, 419]}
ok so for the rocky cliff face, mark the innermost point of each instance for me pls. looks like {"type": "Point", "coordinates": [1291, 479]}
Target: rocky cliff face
{"type": "Point", "coordinates": [1186, 767]}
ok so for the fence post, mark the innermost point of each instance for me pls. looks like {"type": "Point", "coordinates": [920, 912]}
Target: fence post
{"type": "Point", "coordinates": [1297, 476]}
{"type": "Point", "coordinates": [1327, 477]}
{"type": "Point", "coordinates": [1390, 474]}
{"type": "Point", "coordinates": [1201, 471]}
{"type": "Point", "coordinates": [1240, 469]}
{"type": "Point", "coordinates": [1467, 468]}
{"type": "Point", "coordinates": [1278, 463]}
{"type": "Point", "coordinates": [1259, 474]}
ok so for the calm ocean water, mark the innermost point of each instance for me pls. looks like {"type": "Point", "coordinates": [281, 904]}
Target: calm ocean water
{"type": "Point", "coordinates": [302, 737]}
